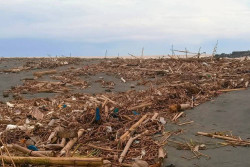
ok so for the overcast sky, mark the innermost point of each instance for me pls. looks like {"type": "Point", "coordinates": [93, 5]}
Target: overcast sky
{"type": "Point", "coordinates": [88, 28]}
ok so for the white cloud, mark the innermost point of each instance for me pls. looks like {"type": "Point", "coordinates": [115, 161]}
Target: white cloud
{"type": "Point", "coordinates": [108, 20]}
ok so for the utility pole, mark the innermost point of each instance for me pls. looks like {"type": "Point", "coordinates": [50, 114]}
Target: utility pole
{"type": "Point", "coordinates": [215, 49]}
{"type": "Point", "coordinates": [199, 53]}
{"type": "Point", "coordinates": [172, 50]}
{"type": "Point", "coordinates": [106, 53]}
{"type": "Point", "coordinates": [142, 51]}
{"type": "Point", "coordinates": [186, 52]}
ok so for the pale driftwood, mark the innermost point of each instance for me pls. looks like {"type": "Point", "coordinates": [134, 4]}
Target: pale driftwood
{"type": "Point", "coordinates": [46, 153]}
{"type": "Point", "coordinates": [104, 103]}
{"type": "Point", "coordinates": [152, 119]}
{"type": "Point", "coordinates": [102, 148]}
{"type": "Point", "coordinates": [106, 110]}
{"type": "Point", "coordinates": [41, 73]}
{"type": "Point", "coordinates": [51, 136]}
{"type": "Point", "coordinates": [154, 116]}
{"type": "Point", "coordinates": [230, 90]}
{"type": "Point", "coordinates": [25, 150]}
{"type": "Point", "coordinates": [222, 137]}
{"type": "Point", "coordinates": [185, 106]}
{"type": "Point", "coordinates": [161, 153]}
{"type": "Point", "coordinates": [56, 146]}
{"type": "Point", "coordinates": [130, 141]}
{"type": "Point", "coordinates": [141, 106]}
{"type": "Point", "coordinates": [74, 161]}
{"type": "Point", "coordinates": [132, 128]}
{"type": "Point", "coordinates": [185, 123]}
{"type": "Point", "coordinates": [109, 100]}
{"type": "Point", "coordinates": [71, 143]}
{"type": "Point", "coordinates": [178, 115]}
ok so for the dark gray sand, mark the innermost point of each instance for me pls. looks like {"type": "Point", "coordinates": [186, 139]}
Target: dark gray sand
{"type": "Point", "coordinates": [228, 112]}
{"type": "Point", "coordinates": [7, 80]}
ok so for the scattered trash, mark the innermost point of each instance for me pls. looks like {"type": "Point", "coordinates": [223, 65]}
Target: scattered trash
{"type": "Point", "coordinates": [32, 147]}
{"type": "Point", "coordinates": [109, 129]}
{"type": "Point", "coordinates": [117, 126]}
{"type": "Point", "coordinates": [135, 113]}
{"type": "Point", "coordinates": [10, 105]}
{"type": "Point", "coordinates": [162, 120]}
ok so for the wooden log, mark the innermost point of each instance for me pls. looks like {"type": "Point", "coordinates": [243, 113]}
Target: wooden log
{"type": "Point", "coordinates": [25, 150]}
{"type": "Point", "coordinates": [132, 128]}
{"type": "Point", "coordinates": [178, 115]}
{"type": "Point", "coordinates": [185, 123]}
{"type": "Point", "coordinates": [46, 153]}
{"type": "Point", "coordinates": [109, 100]}
{"type": "Point", "coordinates": [161, 154]}
{"type": "Point", "coordinates": [71, 143]}
{"type": "Point", "coordinates": [219, 136]}
{"type": "Point", "coordinates": [41, 73]}
{"type": "Point", "coordinates": [129, 143]}
{"type": "Point", "coordinates": [74, 161]}
{"type": "Point", "coordinates": [56, 146]}
{"type": "Point", "coordinates": [230, 90]}
{"type": "Point", "coordinates": [154, 116]}
{"type": "Point", "coordinates": [179, 107]}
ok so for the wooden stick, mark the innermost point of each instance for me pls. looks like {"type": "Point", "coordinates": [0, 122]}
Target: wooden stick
{"type": "Point", "coordinates": [56, 146]}
{"type": "Point", "coordinates": [71, 143]}
{"type": "Point", "coordinates": [104, 103]}
{"type": "Point", "coordinates": [2, 157]}
{"type": "Point", "coordinates": [154, 116]}
{"type": "Point", "coordinates": [141, 106]}
{"type": "Point", "coordinates": [102, 148]}
{"type": "Point", "coordinates": [185, 123]}
{"type": "Point", "coordinates": [230, 90]}
{"type": "Point", "coordinates": [132, 128]}
{"type": "Point", "coordinates": [109, 100]}
{"type": "Point", "coordinates": [26, 151]}
{"type": "Point", "coordinates": [41, 73]}
{"type": "Point", "coordinates": [106, 110]}
{"type": "Point", "coordinates": [177, 116]}
{"type": "Point", "coordinates": [130, 141]}
{"type": "Point", "coordinates": [74, 161]}
{"type": "Point", "coordinates": [161, 154]}
{"type": "Point", "coordinates": [220, 137]}
{"type": "Point", "coordinates": [5, 147]}
{"type": "Point", "coordinates": [48, 153]}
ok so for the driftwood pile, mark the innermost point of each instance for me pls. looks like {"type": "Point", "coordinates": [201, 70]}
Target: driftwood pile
{"type": "Point", "coordinates": [119, 126]}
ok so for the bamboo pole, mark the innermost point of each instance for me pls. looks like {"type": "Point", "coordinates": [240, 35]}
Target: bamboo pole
{"type": "Point", "coordinates": [217, 136]}
{"type": "Point", "coordinates": [129, 143]}
{"type": "Point", "coordinates": [41, 73]}
{"type": "Point", "coordinates": [56, 146]}
{"type": "Point", "coordinates": [154, 116]}
{"type": "Point", "coordinates": [74, 161]}
{"type": "Point", "coordinates": [25, 150]}
{"type": "Point", "coordinates": [161, 154]}
{"type": "Point", "coordinates": [132, 128]}
{"type": "Point", "coordinates": [71, 143]}
{"type": "Point", "coordinates": [230, 90]}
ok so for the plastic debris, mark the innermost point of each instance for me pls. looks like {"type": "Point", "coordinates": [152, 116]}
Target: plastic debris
{"type": "Point", "coordinates": [162, 120]}
{"type": "Point", "coordinates": [135, 113]}
{"type": "Point", "coordinates": [10, 105]}
{"type": "Point", "coordinates": [32, 147]}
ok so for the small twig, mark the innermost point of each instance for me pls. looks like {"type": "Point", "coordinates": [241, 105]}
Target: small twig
{"type": "Point", "coordinates": [5, 147]}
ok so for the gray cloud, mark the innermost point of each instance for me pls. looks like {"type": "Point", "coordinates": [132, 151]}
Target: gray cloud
{"type": "Point", "coordinates": [191, 21]}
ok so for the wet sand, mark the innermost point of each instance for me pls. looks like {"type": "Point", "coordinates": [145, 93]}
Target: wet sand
{"type": "Point", "coordinates": [7, 80]}
{"type": "Point", "coordinates": [228, 112]}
